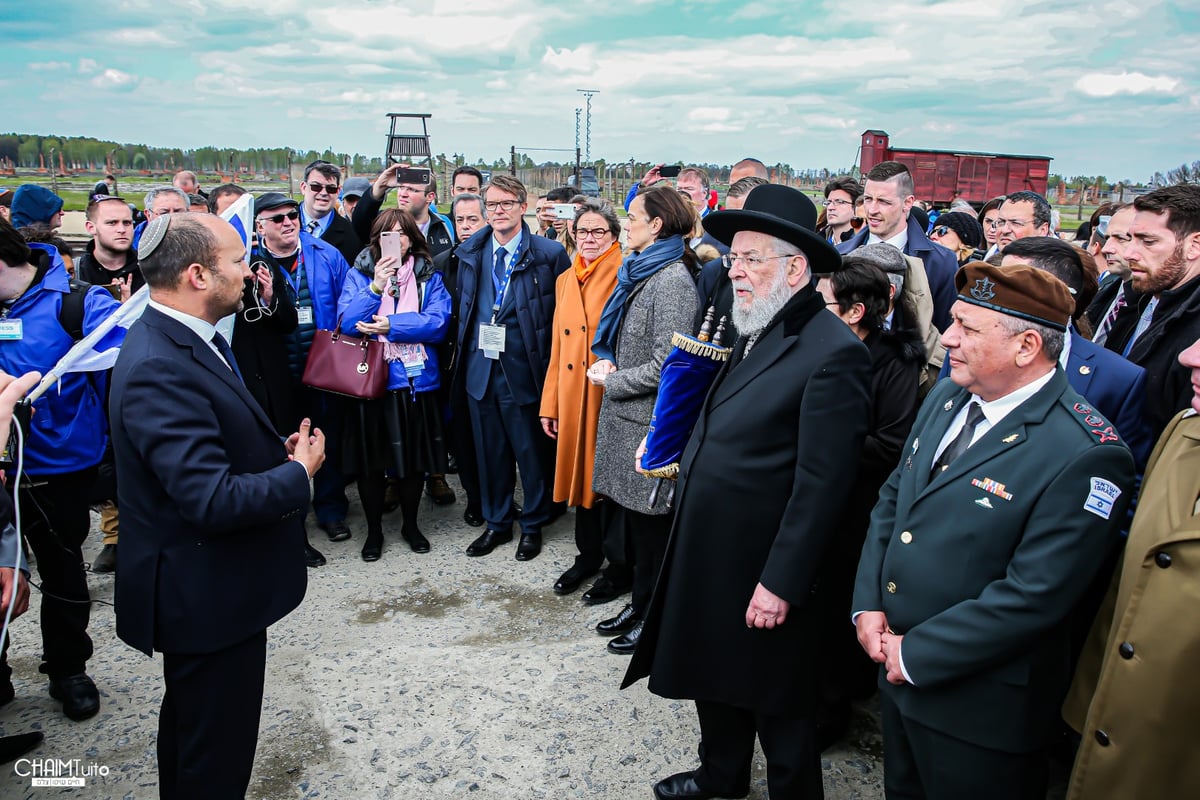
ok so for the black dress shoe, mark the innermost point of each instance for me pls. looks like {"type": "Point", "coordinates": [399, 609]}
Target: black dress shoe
{"type": "Point", "coordinates": [106, 560]}
{"type": "Point", "coordinates": [626, 644]}
{"type": "Point", "coordinates": [336, 531]}
{"type": "Point", "coordinates": [78, 695]}
{"type": "Point", "coordinates": [416, 540]}
{"type": "Point", "coordinates": [488, 541]}
{"type": "Point", "coordinates": [682, 786]}
{"type": "Point", "coordinates": [13, 747]}
{"type": "Point", "coordinates": [312, 556]}
{"type": "Point", "coordinates": [623, 622]}
{"type": "Point", "coordinates": [604, 591]}
{"type": "Point", "coordinates": [570, 580]}
{"type": "Point", "coordinates": [473, 518]}
{"type": "Point", "coordinates": [372, 548]}
{"type": "Point", "coordinates": [529, 547]}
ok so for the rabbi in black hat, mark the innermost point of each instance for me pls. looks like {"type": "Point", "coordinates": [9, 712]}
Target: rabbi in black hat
{"type": "Point", "coordinates": [761, 488]}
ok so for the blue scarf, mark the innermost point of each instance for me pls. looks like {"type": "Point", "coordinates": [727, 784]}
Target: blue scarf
{"type": "Point", "coordinates": [634, 269]}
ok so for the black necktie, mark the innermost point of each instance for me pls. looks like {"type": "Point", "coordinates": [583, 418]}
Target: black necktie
{"type": "Point", "coordinates": [959, 444]}
{"type": "Point", "coordinates": [226, 353]}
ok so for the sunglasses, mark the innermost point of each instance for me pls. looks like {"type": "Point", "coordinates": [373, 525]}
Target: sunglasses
{"type": "Point", "coordinates": [326, 188]}
{"type": "Point", "coordinates": [941, 230]}
{"type": "Point", "coordinates": [279, 218]}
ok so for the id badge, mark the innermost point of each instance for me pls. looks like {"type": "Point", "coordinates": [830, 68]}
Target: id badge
{"type": "Point", "coordinates": [491, 339]}
{"type": "Point", "coordinates": [11, 330]}
{"type": "Point", "coordinates": [413, 359]}
{"type": "Point", "coordinates": [304, 315]}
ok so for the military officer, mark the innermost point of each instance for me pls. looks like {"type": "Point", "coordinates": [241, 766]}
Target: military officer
{"type": "Point", "coordinates": [1009, 496]}
{"type": "Point", "coordinates": [1135, 697]}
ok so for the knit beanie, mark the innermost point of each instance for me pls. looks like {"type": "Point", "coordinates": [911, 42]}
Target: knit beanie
{"type": "Point", "coordinates": [965, 225]}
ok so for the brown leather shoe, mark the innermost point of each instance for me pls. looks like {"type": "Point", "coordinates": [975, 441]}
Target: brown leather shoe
{"type": "Point", "coordinates": [439, 491]}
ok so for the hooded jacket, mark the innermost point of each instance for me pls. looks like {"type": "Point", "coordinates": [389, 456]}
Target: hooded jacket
{"type": "Point", "coordinates": [32, 204]}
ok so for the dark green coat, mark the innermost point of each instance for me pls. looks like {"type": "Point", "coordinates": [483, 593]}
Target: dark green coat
{"type": "Point", "coordinates": [981, 582]}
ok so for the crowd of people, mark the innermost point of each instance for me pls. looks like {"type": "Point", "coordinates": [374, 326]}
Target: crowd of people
{"type": "Point", "coordinates": [928, 468]}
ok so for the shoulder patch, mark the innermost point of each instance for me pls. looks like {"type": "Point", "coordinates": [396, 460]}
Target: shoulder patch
{"type": "Point", "coordinates": [1100, 429]}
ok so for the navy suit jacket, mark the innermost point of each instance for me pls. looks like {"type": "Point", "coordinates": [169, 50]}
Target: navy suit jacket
{"type": "Point", "coordinates": [940, 266]}
{"type": "Point", "coordinates": [212, 511]}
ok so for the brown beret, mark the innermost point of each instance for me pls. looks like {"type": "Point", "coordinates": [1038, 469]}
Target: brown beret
{"type": "Point", "coordinates": [1020, 291]}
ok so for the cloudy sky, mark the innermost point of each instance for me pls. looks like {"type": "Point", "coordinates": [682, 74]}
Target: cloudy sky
{"type": "Point", "coordinates": [1106, 87]}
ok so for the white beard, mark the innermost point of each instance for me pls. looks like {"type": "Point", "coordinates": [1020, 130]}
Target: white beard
{"type": "Point", "coordinates": [757, 315]}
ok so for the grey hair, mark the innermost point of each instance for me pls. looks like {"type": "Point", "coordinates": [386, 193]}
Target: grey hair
{"type": "Point", "coordinates": [592, 205]}
{"type": "Point", "coordinates": [466, 197]}
{"type": "Point", "coordinates": [1052, 339]}
{"type": "Point", "coordinates": [783, 248]}
{"type": "Point", "coordinates": [153, 194]}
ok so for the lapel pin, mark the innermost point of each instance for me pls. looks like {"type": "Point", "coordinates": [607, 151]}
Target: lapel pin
{"type": "Point", "coordinates": [949, 405]}
{"type": "Point", "coordinates": [1011, 438]}
{"type": "Point", "coordinates": [1085, 370]}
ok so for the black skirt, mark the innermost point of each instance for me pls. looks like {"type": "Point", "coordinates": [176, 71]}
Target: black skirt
{"type": "Point", "coordinates": [400, 433]}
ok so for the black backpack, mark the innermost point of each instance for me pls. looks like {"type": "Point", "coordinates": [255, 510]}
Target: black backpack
{"type": "Point", "coordinates": [70, 314]}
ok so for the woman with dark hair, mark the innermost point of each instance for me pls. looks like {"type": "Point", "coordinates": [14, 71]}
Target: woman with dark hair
{"type": "Point", "coordinates": [858, 294]}
{"type": "Point", "coordinates": [400, 299]}
{"type": "Point", "coordinates": [987, 218]}
{"type": "Point", "coordinates": [655, 296]}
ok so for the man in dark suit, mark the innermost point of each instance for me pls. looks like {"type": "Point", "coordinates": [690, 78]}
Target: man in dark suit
{"type": "Point", "coordinates": [212, 505]}
{"type": "Point", "coordinates": [506, 307]}
{"type": "Point", "coordinates": [888, 198]}
{"type": "Point", "coordinates": [985, 537]}
{"type": "Point", "coordinates": [761, 487]}
{"type": "Point", "coordinates": [318, 212]}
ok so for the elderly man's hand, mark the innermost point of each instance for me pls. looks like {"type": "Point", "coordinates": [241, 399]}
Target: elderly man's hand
{"type": "Point", "coordinates": [891, 650]}
{"type": "Point", "coordinates": [766, 610]}
{"type": "Point", "coordinates": [11, 579]}
{"type": "Point", "coordinates": [871, 627]}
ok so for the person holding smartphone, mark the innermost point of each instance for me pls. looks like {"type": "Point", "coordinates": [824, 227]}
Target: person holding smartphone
{"type": "Point", "coordinates": [394, 294]}
{"type": "Point", "coordinates": [416, 192]}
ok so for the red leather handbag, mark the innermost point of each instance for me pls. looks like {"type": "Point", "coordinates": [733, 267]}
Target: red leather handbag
{"type": "Point", "coordinates": [346, 365]}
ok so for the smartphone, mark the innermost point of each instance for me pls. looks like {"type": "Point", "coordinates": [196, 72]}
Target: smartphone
{"type": "Point", "coordinates": [113, 289]}
{"type": "Point", "coordinates": [389, 245]}
{"type": "Point", "coordinates": [564, 211]}
{"type": "Point", "coordinates": [669, 172]}
{"type": "Point", "coordinates": [413, 175]}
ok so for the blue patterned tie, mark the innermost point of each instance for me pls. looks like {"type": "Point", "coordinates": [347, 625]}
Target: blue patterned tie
{"type": "Point", "coordinates": [227, 353]}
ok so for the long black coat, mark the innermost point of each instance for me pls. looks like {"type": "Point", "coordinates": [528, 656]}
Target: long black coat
{"type": "Point", "coordinates": [761, 488]}
{"type": "Point", "coordinates": [260, 348]}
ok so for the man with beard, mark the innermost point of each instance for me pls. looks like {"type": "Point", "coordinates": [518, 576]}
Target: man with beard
{"type": "Point", "coordinates": [212, 504]}
{"type": "Point", "coordinates": [109, 259]}
{"type": "Point", "coordinates": [1163, 314]}
{"type": "Point", "coordinates": [761, 487]}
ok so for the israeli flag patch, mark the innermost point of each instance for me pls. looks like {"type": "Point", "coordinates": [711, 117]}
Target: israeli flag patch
{"type": "Point", "coordinates": [1102, 498]}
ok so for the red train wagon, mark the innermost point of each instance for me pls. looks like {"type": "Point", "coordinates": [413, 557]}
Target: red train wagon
{"type": "Point", "coordinates": [943, 175]}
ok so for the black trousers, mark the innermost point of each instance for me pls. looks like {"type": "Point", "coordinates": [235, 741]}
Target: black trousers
{"type": "Point", "coordinates": [919, 762]}
{"type": "Point", "coordinates": [55, 522]}
{"type": "Point", "coordinates": [460, 440]}
{"type": "Point", "coordinates": [208, 725]}
{"type": "Point", "coordinates": [727, 750]}
{"type": "Point", "coordinates": [648, 535]}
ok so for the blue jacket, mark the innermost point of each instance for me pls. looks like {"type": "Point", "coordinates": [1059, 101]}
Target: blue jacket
{"type": "Point", "coordinates": [70, 429]}
{"type": "Point", "coordinates": [325, 269]}
{"type": "Point", "coordinates": [428, 326]}
{"type": "Point", "coordinates": [940, 266]}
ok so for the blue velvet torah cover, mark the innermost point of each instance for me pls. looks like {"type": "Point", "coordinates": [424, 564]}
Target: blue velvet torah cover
{"type": "Point", "coordinates": [688, 373]}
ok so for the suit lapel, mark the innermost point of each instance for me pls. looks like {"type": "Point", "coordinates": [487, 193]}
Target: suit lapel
{"type": "Point", "coordinates": [1183, 480]}
{"type": "Point", "coordinates": [766, 351]}
{"type": "Point", "coordinates": [927, 442]}
{"type": "Point", "coordinates": [1080, 371]}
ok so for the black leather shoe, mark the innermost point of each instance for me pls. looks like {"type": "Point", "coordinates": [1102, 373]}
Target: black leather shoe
{"type": "Point", "coordinates": [372, 548]}
{"type": "Point", "coordinates": [682, 786]}
{"type": "Point", "coordinates": [604, 591]}
{"type": "Point", "coordinates": [626, 644]}
{"type": "Point", "coordinates": [529, 546]}
{"type": "Point", "coordinates": [106, 561]}
{"type": "Point", "coordinates": [488, 541]}
{"type": "Point", "coordinates": [473, 518]}
{"type": "Point", "coordinates": [336, 531]}
{"type": "Point", "coordinates": [78, 695]}
{"type": "Point", "coordinates": [416, 540]}
{"type": "Point", "coordinates": [312, 556]}
{"type": "Point", "coordinates": [623, 622]}
{"type": "Point", "coordinates": [571, 580]}
{"type": "Point", "coordinates": [13, 747]}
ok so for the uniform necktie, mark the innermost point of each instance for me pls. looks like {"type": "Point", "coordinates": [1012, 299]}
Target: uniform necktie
{"type": "Point", "coordinates": [226, 353]}
{"type": "Point", "coordinates": [1106, 324]}
{"type": "Point", "coordinates": [959, 444]}
{"type": "Point", "coordinates": [311, 227]}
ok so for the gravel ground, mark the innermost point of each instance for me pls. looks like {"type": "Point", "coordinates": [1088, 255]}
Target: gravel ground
{"type": "Point", "coordinates": [417, 676]}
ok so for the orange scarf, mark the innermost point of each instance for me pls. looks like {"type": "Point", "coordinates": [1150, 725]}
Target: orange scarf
{"type": "Point", "coordinates": [584, 271]}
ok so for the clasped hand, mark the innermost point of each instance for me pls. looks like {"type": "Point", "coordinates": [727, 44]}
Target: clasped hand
{"type": "Point", "coordinates": [307, 446]}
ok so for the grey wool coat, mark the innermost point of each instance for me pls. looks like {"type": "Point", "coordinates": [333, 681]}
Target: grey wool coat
{"type": "Point", "coordinates": [661, 305]}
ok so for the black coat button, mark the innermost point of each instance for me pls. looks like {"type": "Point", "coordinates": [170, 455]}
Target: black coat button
{"type": "Point", "coordinates": [1163, 560]}
{"type": "Point", "coordinates": [1126, 650]}
{"type": "Point", "coordinates": [1102, 738]}
{"type": "Point", "coordinates": [566, 331]}
{"type": "Point", "coordinates": [570, 365]}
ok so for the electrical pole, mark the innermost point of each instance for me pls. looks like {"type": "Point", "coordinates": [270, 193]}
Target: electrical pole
{"type": "Point", "coordinates": [513, 162]}
{"type": "Point", "coordinates": [578, 111]}
{"type": "Point", "coordinates": [587, 142]}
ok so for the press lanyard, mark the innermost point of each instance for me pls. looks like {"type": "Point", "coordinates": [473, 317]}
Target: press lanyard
{"type": "Point", "coordinates": [293, 276]}
{"type": "Point", "coordinates": [502, 286]}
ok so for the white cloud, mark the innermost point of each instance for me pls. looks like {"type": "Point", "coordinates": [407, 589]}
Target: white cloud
{"type": "Point", "coordinates": [140, 37]}
{"type": "Point", "coordinates": [87, 66]}
{"type": "Point", "coordinates": [114, 79]}
{"type": "Point", "coordinates": [1098, 84]}
{"type": "Point", "coordinates": [49, 66]}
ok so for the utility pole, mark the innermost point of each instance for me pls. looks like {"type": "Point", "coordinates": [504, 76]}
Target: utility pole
{"type": "Point", "coordinates": [578, 186]}
{"type": "Point", "coordinates": [513, 161]}
{"type": "Point", "coordinates": [53, 172]}
{"type": "Point", "coordinates": [587, 142]}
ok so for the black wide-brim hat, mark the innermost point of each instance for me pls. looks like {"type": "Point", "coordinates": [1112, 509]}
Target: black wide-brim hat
{"type": "Point", "coordinates": [782, 212]}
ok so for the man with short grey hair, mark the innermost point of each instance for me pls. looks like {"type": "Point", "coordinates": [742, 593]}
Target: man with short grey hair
{"type": "Point", "coordinates": [165, 200]}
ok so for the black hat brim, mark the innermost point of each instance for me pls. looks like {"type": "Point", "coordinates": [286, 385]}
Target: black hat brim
{"type": "Point", "coordinates": [822, 257]}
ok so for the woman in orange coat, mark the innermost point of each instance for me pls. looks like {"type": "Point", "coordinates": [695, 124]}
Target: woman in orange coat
{"type": "Point", "coordinates": [570, 405]}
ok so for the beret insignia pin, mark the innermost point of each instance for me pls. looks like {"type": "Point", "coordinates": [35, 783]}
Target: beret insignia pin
{"type": "Point", "coordinates": [983, 289]}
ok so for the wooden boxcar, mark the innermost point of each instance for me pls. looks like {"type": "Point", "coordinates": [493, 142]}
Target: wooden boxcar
{"type": "Point", "coordinates": [943, 175]}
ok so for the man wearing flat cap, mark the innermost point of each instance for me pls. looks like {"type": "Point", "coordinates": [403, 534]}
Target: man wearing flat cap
{"type": "Point", "coordinates": [1008, 499]}
{"type": "Point", "coordinates": [761, 487]}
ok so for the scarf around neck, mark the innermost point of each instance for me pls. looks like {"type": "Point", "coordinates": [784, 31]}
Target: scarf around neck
{"type": "Point", "coordinates": [636, 268]}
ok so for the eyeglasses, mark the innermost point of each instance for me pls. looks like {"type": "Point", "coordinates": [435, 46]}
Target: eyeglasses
{"type": "Point", "coordinates": [729, 259]}
{"type": "Point", "coordinates": [839, 202]}
{"type": "Point", "coordinates": [1011, 223]}
{"type": "Point", "coordinates": [279, 218]}
{"type": "Point", "coordinates": [590, 233]}
{"type": "Point", "coordinates": [503, 205]}
{"type": "Point", "coordinates": [330, 188]}
{"type": "Point", "coordinates": [941, 230]}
